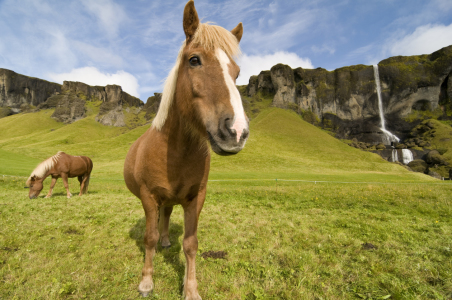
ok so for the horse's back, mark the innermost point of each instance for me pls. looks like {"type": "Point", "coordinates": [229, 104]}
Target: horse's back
{"type": "Point", "coordinates": [74, 165]}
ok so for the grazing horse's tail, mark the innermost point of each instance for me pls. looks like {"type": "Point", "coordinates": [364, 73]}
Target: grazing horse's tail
{"type": "Point", "coordinates": [85, 187]}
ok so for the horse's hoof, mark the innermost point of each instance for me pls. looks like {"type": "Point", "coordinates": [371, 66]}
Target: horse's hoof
{"type": "Point", "coordinates": [144, 294]}
{"type": "Point", "coordinates": [166, 246]}
{"type": "Point", "coordinates": [192, 297]}
{"type": "Point", "coordinates": [146, 286]}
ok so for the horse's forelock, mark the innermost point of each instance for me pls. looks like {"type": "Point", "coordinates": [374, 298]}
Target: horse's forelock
{"type": "Point", "coordinates": [206, 36]}
{"type": "Point", "coordinates": [211, 37]}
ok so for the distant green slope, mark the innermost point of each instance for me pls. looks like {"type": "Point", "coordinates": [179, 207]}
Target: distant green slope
{"type": "Point", "coordinates": [281, 145]}
{"type": "Point", "coordinates": [16, 164]}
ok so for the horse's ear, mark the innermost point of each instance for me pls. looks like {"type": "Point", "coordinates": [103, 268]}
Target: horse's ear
{"type": "Point", "coordinates": [238, 31]}
{"type": "Point", "coordinates": [191, 20]}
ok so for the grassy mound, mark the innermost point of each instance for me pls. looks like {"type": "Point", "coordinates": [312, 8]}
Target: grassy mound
{"type": "Point", "coordinates": [281, 145]}
{"type": "Point", "coordinates": [282, 239]}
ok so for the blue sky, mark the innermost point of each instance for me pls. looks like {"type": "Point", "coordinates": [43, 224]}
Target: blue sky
{"type": "Point", "coordinates": [134, 43]}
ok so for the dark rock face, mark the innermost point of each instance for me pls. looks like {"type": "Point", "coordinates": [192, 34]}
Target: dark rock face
{"type": "Point", "coordinates": [152, 106]}
{"type": "Point", "coordinates": [421, 82]}
{"type": "Point", "coordinates": [69, 109]}
{"type": "Point", "coordinates": [111, 110]}
{"type": "Point", "coordinates": [418, 165]}
{"type": "Point", "coordinates": [435, 158]}
{"type": "Point", "coordinates": [19, 92]}
{"type": "Point", "coordinates": [434, 174]}
{"type": "Point", "coordinates": [261, 83]}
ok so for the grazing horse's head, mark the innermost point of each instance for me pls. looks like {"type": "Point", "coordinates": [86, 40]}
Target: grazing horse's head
{"type": "Point", "coordinates": [202, 85]}
{"type": "Point", "coordinates": [35, 185]}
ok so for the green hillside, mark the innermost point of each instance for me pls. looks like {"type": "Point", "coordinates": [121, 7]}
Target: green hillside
{"type": "Point", "coordinates": [283, 239]}
{"type": "Point", "coordinates": [281, 145]}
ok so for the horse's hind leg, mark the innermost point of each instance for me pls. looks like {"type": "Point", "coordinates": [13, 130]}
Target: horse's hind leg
{"type": "Point", "coordinates": [165, 213]}
{"type": "Point", "coordinates": [52, 185]}
{"type": "Point", "coordinates": [151, 238]}
{"type": "Point", "coordinates": [84, 181]}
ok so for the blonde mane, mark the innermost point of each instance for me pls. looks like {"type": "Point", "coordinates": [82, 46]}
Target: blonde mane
{"type": "Point", "coordinates": [41, 170]}
{"type": "Point", "coordinates": [206, 36]}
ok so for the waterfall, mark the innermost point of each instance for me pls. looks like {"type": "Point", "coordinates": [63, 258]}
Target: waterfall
{"type": "Point", "coordinates": [395, 157]}
{"type": "Point", "coordinates": [407, 156]}
{"type": "Point", "coordinates": [388, 137]}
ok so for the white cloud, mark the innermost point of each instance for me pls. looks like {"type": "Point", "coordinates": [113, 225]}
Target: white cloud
{"type": "Point", "coordinates": [322, 49]}
{"type": "Point", "coordinates": [254, 64]}
{"type": "Point", "coordinates": [92, 76]}
{"type": "Point", "coordinates": [109, 14]}
{"type": "Point", "coordinates": [424, 40]}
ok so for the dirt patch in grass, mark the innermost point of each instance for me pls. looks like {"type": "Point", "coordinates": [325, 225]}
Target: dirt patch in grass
{"type": "Point", "coordinates": [214, 254]}
{"type": "Point", "coordinates": [9, 249]}
{"type": "Point", "coordinates": [369, 246]}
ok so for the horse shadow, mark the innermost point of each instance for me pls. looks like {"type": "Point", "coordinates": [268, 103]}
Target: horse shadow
{"type": "Point", "coordinates": [57, 194]}
{"type": "Point", "coordinates": [171, 254]}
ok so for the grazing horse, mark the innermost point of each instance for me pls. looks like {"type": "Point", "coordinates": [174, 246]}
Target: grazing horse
{"type": "Point", "coordinates": [169, 164]}
{"type": "Point", "coordinates": [64, 166]}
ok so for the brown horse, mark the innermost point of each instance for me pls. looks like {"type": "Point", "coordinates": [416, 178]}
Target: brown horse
{"type": "Point", "coordinates": [64, 166]}
{"type": "Point", "coordinates": [169, 164]}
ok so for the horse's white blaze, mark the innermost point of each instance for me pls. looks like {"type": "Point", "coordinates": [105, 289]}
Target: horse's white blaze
{"type": "Point", "coordinates": [239, 123]}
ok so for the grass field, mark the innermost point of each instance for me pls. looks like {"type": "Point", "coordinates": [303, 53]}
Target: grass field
{"type": "Point", "coordinates": [357, 227]}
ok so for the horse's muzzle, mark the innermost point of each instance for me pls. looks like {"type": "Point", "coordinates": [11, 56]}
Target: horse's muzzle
{"type": "Point", "coordinates": [228, 146]}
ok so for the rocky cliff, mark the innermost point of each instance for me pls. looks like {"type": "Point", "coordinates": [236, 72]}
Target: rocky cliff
{"type": "Point", "coordinates": [345, 99]}
{"type": "Point", "coordinates": [19, 93]}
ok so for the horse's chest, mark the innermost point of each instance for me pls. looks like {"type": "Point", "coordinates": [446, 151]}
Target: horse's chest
{"type": "Point", "coordinates": [175, 194]}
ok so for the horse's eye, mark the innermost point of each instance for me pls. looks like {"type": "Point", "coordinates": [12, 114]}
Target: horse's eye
{"type": "Point", "coordinates": [194, 61]}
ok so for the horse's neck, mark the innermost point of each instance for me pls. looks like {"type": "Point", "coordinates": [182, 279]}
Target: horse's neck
{"type": "Point", "coordinates": [181, 136]}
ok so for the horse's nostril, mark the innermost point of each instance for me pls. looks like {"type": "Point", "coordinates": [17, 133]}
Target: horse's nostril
{"type": "Point", "coordinates": [245, 134]}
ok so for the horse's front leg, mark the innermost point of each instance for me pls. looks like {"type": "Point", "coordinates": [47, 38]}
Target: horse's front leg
{"type": "Point", "coordinates": [191, 216]}
{"type": "Point", "coordinates": [66, 184]}
{"type": "Point", "coordinates": [52, 185]}
{"type": "Point", "coordinates": [151, 238]}
{"type": "Point", "coordinates": [165, 213]}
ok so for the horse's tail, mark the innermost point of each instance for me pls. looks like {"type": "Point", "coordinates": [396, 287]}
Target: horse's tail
{"type": "Point", "coordinates": [85, 187]}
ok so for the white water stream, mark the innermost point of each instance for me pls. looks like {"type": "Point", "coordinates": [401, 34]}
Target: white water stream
{"type": "Point", "coordinates": [407, 156]}
{"type": "Point", "coordinates": [388, 137]}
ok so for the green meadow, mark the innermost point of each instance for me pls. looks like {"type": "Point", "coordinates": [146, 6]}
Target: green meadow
{"type": "Point", "coordinates": [298, 214]}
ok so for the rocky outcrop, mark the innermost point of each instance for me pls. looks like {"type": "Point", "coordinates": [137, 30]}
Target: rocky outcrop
{"type": "Point", "coordinates": [261, 83]}
{"type": "Point", "coordinates": [418, 165]}
{"type": "Point", "coordinates": [20, 93]}
{"type": "Point", "coordinates": [152, 106]}
{"type": "Point", "coordinates": [435, 158]}
{"type": "Point", "coordinates": [68, 109]}
{"type": "Point", "coordinates": [111, 110]}
{"type": "Point", "coordinates": [408, 83]}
